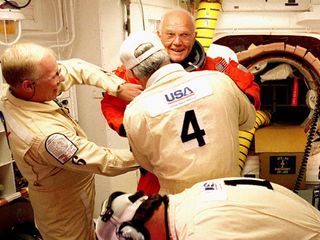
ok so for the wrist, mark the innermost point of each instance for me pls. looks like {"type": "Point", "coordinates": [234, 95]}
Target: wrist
{"type": "Point", "coordinates": [119, 88]}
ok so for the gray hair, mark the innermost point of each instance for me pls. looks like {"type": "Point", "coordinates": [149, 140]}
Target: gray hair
{"type": "Point", "coordinates": [21, 61]}
{"type": "Point", "coordinates": [147, 67]}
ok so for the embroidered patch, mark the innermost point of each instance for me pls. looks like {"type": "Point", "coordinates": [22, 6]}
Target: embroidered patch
{"type": "Point", "coordinates": [60, 147]}
{"type": "Point", "coordinates": [214, 191]}
{"type": "Point", "coordinates": [178, 96]}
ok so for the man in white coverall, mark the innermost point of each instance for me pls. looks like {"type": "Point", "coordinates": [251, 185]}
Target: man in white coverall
{"type": "Point", "coordinates": [51, 150]}
{"type": "Point", "coordinates": [184, 126]}
{"type": "Point", "coordinates": [218, 209]}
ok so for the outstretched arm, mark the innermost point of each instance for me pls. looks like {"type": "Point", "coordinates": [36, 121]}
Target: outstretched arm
{"type": "Point", "coordinates": [128, 91]}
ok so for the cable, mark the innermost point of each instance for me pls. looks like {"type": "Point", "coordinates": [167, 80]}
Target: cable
{"type": "Point", "coordinates": [142, 15]}
{"type": "Point", "coordinates": [307, 150]}
{"type": "Point", "coordinates": [15, 5]}
{"type": "Point", "coordinates": [3, 121]}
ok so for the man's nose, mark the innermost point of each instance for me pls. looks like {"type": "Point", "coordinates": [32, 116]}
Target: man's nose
{"type": "Point", "coordinates": [61, 78]}
{"type": "Point", "coordinates": [177, 40]}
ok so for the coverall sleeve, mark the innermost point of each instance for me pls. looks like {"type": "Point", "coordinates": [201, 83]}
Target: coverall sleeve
{"type": "Point", "coordinates": [139, 136]}
{"type": "Point", "coordinates": [113, 108]}
{"type": "Point", "coordinates": [64, 149]}
{"type": "Point", "coordinates": [247, 112]}
{"type": "Point", "coordinates": [77, 71]}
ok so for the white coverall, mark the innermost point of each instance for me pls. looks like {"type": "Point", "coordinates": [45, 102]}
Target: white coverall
{"type": "Point", "coordinates": [219, 211]}
{"type": "Point", "coordinates": [184, 126]}
{"type": "Point", "coordinates": [54, 155]}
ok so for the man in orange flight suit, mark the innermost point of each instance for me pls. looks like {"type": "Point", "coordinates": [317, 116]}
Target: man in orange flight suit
{"type": "Point", "coordinates": [178, 35]}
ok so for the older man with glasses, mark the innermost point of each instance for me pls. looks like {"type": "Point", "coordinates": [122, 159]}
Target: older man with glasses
{"type": "Point", "coordinates": [50, 148]}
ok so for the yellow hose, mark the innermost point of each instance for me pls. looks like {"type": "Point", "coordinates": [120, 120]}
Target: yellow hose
{"type": "Point", "coordinates": [206, 19]}
{"type": "Point", "coordinates": [245, 137]}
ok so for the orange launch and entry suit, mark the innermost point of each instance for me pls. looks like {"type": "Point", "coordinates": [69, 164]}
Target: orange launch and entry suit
{"type": "Point", "coordinates": [113, 108]}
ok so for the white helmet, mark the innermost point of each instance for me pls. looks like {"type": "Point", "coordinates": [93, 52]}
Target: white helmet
{"type": "Point", "coordinates": [117, 209]}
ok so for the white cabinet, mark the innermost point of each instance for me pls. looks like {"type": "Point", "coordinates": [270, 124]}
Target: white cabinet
{"type": "Point", "coordinates": [7, 180]}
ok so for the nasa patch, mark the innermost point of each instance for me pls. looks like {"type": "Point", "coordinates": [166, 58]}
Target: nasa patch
{"type": "Point", "coordinates": [60, 147]}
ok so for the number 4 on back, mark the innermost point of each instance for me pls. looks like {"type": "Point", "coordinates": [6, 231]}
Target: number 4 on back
{"type": "Point", "coordinates": [190, 118]}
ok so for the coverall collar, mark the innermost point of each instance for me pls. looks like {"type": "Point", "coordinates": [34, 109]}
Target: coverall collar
{"type": "Point", "coordinates": [29, 105]}
{"type": "Point", "coordinates": [173, 68]}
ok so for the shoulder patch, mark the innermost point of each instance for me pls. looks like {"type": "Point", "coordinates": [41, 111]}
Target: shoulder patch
{"type": "Point", "coordinates": [60, 147]}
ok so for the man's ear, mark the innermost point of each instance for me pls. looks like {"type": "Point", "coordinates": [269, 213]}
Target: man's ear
{"type": "Point", "coordinates": [27, 85]}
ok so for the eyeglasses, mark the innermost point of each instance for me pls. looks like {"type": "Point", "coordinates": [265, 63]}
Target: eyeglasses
{"type": "Point", "coordinates": [184, 37]}
{"type": "Point", "coordinates": [57, 75]}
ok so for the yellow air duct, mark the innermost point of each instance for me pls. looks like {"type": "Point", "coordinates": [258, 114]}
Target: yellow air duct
{"type": "Point", "coordinates": [245, 137]}
{"type": "Point", "coordinates": [206, 19]}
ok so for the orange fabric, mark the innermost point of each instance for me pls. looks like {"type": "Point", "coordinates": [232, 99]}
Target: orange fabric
{"type": "Point", "coordinates": [112, 107]}
{"type": "Point", "coordinates": [148, 183]}
{"type": "Point", "coordinates": [113, 111]}
{"type": "Point", "coordinates": [239, 74]}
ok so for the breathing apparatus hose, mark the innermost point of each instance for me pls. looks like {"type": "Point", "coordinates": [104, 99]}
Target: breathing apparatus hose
{"type": "Point", "coordinates": [206, 19]}
{"type": "Point", "coordinates": [245, 137]}
{"type": "Point", "coordinates": [307, 150]}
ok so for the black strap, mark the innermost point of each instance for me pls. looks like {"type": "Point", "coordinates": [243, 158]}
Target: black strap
{"type": "Point", "coordinates": [263, 183]}
{"type": "Point", "coordinates": [107, 213]}
{"type": "Point", "coordinates": [165, 200]}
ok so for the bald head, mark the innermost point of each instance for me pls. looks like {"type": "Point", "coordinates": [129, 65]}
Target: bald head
{"type": "Point", "coordinates": [177, 18]}
{"type": "Point", "coordinates": [177, 34]}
